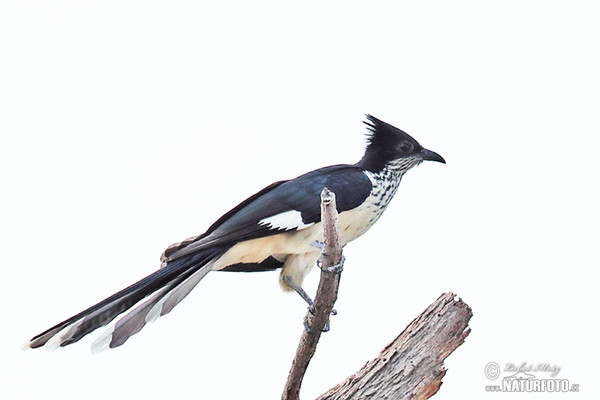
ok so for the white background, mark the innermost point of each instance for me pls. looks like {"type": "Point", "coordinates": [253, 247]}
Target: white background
{"type": "Point", "coordinates": [127, 126]}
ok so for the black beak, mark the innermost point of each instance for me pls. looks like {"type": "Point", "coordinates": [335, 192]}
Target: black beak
{"type": "Point", "coordinates": [429, 155]}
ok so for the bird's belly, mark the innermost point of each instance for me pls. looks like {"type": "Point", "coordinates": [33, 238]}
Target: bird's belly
{"type": "Point", "coordinates": [279, 246]}
{"type": "Point", "coordinates": [352, 224]}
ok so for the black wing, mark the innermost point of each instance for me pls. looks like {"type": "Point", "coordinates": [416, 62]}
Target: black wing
{"type": "Point", "coordinates": [299, 197]}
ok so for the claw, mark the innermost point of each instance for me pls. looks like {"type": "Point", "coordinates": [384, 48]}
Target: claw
{"type": "Point", "coordinates": [306, 327]}
{"type": "Point", "coordinates": [311, 309]}
{"type": "Point", "coordinates": [318, 244]}
{"type": "Point", "coordinates": [326, 328]}
{"type": "Point", "coordinates": [336, 269]}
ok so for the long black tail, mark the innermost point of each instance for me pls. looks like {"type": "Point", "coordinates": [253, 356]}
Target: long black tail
{"type": "Point", "coordinates": [164, 288]}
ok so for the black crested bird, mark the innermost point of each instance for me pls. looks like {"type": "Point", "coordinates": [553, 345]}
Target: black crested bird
{"type": "Point", "coordinates": [275, 228]}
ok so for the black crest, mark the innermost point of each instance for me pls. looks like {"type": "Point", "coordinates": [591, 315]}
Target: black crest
{"type": "Point", "coordinates": [386, 143]}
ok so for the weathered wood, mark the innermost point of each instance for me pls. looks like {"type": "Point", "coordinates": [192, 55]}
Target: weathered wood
{"type": "Point", "coordinates": [324, 299]}
{"type": "Point", "coordinates": [411, 367]}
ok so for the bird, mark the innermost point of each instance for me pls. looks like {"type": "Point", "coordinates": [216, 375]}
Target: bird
{"type": "Point", "coordinates": [278, 228]}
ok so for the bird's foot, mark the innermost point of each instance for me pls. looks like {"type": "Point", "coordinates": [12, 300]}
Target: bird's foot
{"type": "Point", "coordinates": [311, 309]}
{"type": "Point", "coordinates": [326, 328]}
{"type": "Point", "coordinates": [336, 269]}
{"type": "Point", "coordinates": [318, 244]}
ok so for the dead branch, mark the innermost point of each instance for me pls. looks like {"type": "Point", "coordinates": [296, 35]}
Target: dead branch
{"type": "Point", "coordinates": [411, 367]}
{"type": "Point", "coordinates": [324, 299]}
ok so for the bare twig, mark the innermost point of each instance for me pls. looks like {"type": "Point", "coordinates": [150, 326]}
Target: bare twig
{"type": "Point", "coordinates": [411, 367]}
{"type": "Point", "coordinates": [324, 299]}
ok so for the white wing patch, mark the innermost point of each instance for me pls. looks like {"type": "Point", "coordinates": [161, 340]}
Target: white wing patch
{"type": "Point", "coordinates": [287, 220]}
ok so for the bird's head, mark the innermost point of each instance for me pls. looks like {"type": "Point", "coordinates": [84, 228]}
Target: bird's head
{"type": "Point", "coordinates": [393, 148]}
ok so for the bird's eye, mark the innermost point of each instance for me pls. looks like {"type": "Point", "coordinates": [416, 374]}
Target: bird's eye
{"type": "Point", "coordinates": [406, 147]}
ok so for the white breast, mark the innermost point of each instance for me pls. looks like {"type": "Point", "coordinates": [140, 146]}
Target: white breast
{"type": "Point", "coordinates": [356, 222]}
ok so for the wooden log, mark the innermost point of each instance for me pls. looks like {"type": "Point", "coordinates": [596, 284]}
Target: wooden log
{"type": "Point", "coordinates": [411, 366]}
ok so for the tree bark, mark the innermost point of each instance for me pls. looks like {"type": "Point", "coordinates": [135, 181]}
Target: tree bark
{"type": "Point", "coordinates": [411, 367]}
{"type": "Point", "coordinates": [324, 299]}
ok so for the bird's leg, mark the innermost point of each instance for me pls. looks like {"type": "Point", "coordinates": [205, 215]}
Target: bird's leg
{"type": "Point", "coordinates": [288, 281]}
{"type": "Point", "coordinates": [304, 296]}
{"type": "Point", "coordinates": [310, 303]}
